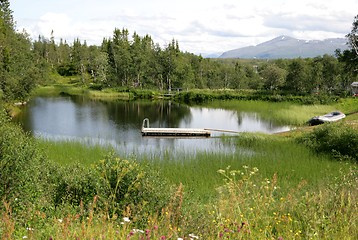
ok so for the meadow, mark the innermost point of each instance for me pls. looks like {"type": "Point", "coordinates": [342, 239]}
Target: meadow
{"type": "Point", "coordinates": [272, 187]}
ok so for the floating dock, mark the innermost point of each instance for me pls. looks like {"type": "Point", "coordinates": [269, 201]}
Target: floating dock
{"type": "Point", "coordinates": [187, 132]}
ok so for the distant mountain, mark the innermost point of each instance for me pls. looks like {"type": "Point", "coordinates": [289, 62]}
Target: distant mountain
{"type": "Point", "coordinates": [212, 55]}
{"type": "Point", "coordinates": [288, 47]}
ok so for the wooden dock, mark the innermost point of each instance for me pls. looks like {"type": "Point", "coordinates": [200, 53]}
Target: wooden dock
{"type": "Point", "coordinates": [187, 132]}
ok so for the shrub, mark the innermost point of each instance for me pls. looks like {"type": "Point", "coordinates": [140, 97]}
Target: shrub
{"type": "Point", "coordinates": [23, 170]}
{"type": "Point", "coordinates": [125, 185]}
{"type": "Point", "coordinates": [338, 139]}
{"type": "Point", "coordinates": [75, 184]}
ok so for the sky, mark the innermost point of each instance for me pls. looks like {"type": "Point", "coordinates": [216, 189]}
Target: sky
{"type": "Point", "coordinates": [200, 26]}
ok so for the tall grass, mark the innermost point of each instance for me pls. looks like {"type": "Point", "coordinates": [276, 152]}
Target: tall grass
{"type": "Point", "coordinates": [271, 188]}
{"type": "Point", "coordinates": [105, 94]}
{"type": "Point", "coordinates": [70, 152]}
{"type": "Point", "coordinates": [290, 161]}
{"type": "Point", "coordinates": [280, 112]}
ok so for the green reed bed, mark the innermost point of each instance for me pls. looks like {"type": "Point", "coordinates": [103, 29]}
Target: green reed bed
{"type": "Point", "coordinates": [288, 112]}
{"type": "Point", "coordinates": [270, 188]}
{"type": "Point", "coordinates": [280, 112]}
{"type": "Point", "coordinates": [71, 152]}
{"type": "Point", "coordinates": [67, 89]}
{"type": "Point", "coordinates": [272, 155]}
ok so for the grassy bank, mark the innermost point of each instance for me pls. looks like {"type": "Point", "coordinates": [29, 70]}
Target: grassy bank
{"type": "Point", "coordinates": [288, 112]}
{"type": "Point", "coordinates": [63, 89]}
{"type": "Point", "coordinates": [277, 189]}
{"type": "Point", "coordinates": [271, 187]}
{"type": "Point", "coordinates": [70, 152]}
{"type": "Point", "coordinates": [292, 163]}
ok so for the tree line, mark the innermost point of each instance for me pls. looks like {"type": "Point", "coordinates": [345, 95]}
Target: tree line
{"type": "Point", "coordinates": [133, 61]}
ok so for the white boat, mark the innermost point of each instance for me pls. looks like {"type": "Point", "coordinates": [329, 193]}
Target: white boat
{"type": "Point", "coordinates": [329, 117]}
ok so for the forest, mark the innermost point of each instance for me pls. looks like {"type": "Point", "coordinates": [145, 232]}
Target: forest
{"type": "Point", "coordinates": [130, 61]}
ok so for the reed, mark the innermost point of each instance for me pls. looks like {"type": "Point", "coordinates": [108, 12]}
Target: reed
{"type": "Point", "coordinates": [279, 112]}
{"type": "Point", "coordinates": [105, 94]}
{"type": "Point", "coordinates": [271, 154]}
{"type": "Point", "coordinates": [269, 188]}
{"type": "Point", "coordinates": [69, 152]}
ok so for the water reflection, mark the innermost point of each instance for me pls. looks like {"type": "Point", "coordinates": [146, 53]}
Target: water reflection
{"type": "Point", "coordinates": [118, 124]}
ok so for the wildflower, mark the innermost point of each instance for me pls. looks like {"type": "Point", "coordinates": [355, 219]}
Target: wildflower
{"type": "Point", "coordinates": [24, 237]}
{"type": "Point", "coordinates": [137, 231]}
{"type": "Point", "coordinates": [126, 219]}
{"type": "Point", "coordinates": [60, 220]}
{"type": "Point", "coordinates": [163, 238]}
{"type": "Point", "coordinates": [29, 229]}
{"type": "Point", "coordinates": [193, 236]}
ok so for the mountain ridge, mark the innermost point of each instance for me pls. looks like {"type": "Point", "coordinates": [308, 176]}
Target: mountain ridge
{"type": "Point", "coordinates": [288, 47]}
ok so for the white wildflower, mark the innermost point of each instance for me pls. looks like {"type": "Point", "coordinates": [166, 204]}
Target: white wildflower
{"type": "Point", "coordinates": [137, 230]}
{"type": "Point", "coordinates": [192, 236]}
{"type": "Point", "coordinates": [60, 220]}
{"type": "Point", "coordinates": [126, 219]}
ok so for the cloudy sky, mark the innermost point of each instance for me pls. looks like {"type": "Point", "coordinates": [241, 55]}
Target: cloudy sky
{"type": "Point", "coordinates": [200, 26]}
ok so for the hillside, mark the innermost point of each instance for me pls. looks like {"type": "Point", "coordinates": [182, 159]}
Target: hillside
{"type": "Point", "coordinates": [288, 47]}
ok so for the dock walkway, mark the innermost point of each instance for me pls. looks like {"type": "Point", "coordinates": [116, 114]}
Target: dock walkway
{"type": "Point", "coordinates": [188, 132]}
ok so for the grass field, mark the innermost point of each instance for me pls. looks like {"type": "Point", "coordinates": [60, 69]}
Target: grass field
{"type": "Point", "coordinates": [280, 190]}
{"type": "Point", "coordinates": [271, 187]}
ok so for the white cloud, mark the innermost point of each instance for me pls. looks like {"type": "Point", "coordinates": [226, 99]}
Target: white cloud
{"type": "Point", "coordinates": [201, 26]}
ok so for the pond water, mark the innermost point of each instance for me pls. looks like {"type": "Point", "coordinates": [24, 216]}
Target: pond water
{"type": "Point", "coordinates": [118, 124]}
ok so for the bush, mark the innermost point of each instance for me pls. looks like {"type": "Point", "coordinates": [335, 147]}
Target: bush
{"type": "Point", "coordinates": [338, 139]}
{"type": "Point", "coordinates": [125, 185]}
{"type": "Point", "coordinates": [23, 170]}
{"type": "Point", "coordinates": [96, 86]}
{"type": "Point", "coordinates": [75, 184]}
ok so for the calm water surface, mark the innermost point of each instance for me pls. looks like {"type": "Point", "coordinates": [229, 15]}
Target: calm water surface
{"type": "Point", "coordinates": [118, 124]}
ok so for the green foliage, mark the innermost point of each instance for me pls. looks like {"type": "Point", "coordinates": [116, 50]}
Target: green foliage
{"type": "Point", "coordinates": [353, 36]}
{"type": "Point", "coordinates": [18, 72]}
{"type": "Point", "coordinates": [135, 62]}
{"type": "Point", "coordinates": [143, 94]}
{"type": "Point", "coordinates": [253, 207]}
{"type": "Point", "coordinates": [125, 185]}
{"type": "Point", "coordinates": [23, 170]}
{"type": "Point", "coordinates": [75, 185]}
{"type": "Point", "coordinates": [338, 139]}
{"type": "Point", "coordinates": [202, 96]}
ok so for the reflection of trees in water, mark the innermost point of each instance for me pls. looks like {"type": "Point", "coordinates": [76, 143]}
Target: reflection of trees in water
{"type": "Point", "coordinates": [239, 118]}
{"type": "Point", "coordinates": [160, 114]}
{"type": "Point", "coordinates": [245, 118]}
